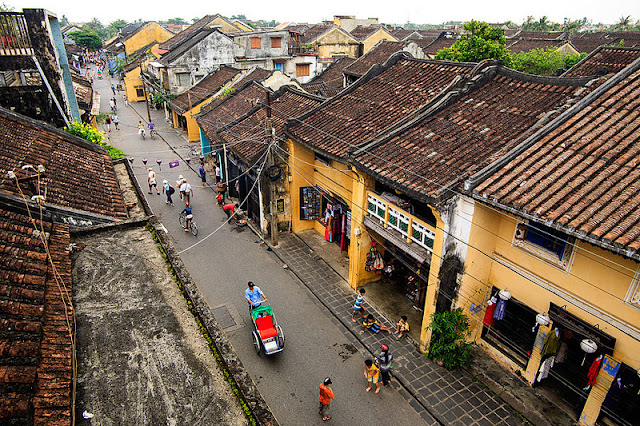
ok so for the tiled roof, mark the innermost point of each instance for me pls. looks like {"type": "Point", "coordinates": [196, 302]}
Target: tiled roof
{"type": "Point", "coordinates": [35, 343]}
{"type": "Point", "coordinates": [377, 55]}
{"type": "Point", "coordinates": [185, 34]}
{"type": "Point", "coordinates": [257, 74]}
{"type": "Point", "coordinates": [179, 50]}
{"type": "Point", "coordinates": [207, 87]}
{"type": "Point", "coordinates": [604, 60]}
{"type": "Point", "coordinates": [583, 175]}
{"type": "Point", "coordinates": [83, 91]}
{"type": "Point", "coordinates": [588, 45]}
{"type": "Point", "coordinates": [375, 102]}
{"type": "Point", "coordinates": [361, 32]}
{"type": "Point", "coordinates": [525, 45]}
{"type": "Point", "coordinates": [332, 75]}
{"type": "Point", "coordinates": [431, 155]}
{"type": "Point", "coordinates": [401, 33]}
{"type": "Point", "coordinates": [438, 44]}
{"type": "Point", "coordinates": [314, 32]}
{"type": "Point", "coordinates": [78, 174]}
{"type": "Point", "coordinates": [231, 108]}
{"type": "Point", "coordinates": [249, 137]}
{"type": "Point", "coordinates": [545, 35]}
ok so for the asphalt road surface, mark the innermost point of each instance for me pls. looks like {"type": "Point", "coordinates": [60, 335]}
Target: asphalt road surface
{"type": "Point", "coordinates": [224, 262]}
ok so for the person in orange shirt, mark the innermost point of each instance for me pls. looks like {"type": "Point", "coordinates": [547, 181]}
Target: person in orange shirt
{"type": "Point", "coordinates": [326, 395]}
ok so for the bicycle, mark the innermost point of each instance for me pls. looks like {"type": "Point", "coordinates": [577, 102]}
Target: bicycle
{"type": "Point", "coordinates": [141, 132]}
{"type": "Point", "coordinates": [152, 133]}
{"type": "Point", "coordinates": [192, 225]}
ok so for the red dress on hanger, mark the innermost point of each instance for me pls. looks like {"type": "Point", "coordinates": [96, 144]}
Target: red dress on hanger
{"type": "Point", "coordinates": [488, 315]}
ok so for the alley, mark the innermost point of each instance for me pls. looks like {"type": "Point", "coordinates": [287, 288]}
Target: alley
{"type": "Point", "coordinates": [222, 263]}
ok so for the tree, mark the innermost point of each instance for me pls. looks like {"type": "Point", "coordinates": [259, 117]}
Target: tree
{"type": "Point", "coordinates": [538, 61]}
{"type": "Point", "coordinates": [481, 41]}
{"type": "Point", "coordinates": [176, 21]}
{"type": "Point", "coordinates": [624, 23]}
{"type": "Point", "coordinates": [96, 26]}
{"type": "Point", "coordinates": [115, 26]}
{"type": "Point", "coordinates": [64, 21]}
{"type": "Point", "coordinates": [88, 39]}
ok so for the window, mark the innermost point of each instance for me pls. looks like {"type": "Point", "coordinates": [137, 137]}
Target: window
{"type": "Point", "coordinates": [255, 43]}
{"type": "Point", "coordinates": [139, 92]}
{"type": "Point", "coordinates": [302, 70]}
{"type": "Point", "coordinates": [278, 65]}
{"type": "Point", "coordinates": [276, 42]}
{"type": "Point", "coordinates": [184, 79]}
{"type": "Point", "coordinates": [548, 244]}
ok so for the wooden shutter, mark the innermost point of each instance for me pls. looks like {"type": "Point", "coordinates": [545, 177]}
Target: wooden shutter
{"type": "Point", "coordinates": [255, 42]}
{"type": "Point", "coordinates": [302, 70]}
{"type": "Point", "coordinates": [276, 42]}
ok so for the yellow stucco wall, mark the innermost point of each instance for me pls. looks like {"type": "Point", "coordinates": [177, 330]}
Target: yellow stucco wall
{"type": "Point", "coordinates": [225, 26]}
{"type": "Point", "coordinates": [336, 42]}
{"type": "Point", "coordinates": [596, 280]}
{"type": "Point", "coordinates": [131, 81]}
{"type": "Point", "coordinates": [374, 38]}
{"type": "Point", "coordinates": [150, 33]}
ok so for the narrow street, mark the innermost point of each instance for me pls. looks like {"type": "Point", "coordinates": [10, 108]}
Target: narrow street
{"type": "Point", "coordinates": [222, 263]}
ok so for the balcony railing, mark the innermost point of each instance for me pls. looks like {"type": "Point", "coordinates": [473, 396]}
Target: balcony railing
{"type": "Point", "coordinates": [14, 36]}
{"type": "Point", "coordinates": [410, 227]}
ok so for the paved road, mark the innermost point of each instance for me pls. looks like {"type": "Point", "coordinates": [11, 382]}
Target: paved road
{"type": "Point", "coordinates": [316, 344]}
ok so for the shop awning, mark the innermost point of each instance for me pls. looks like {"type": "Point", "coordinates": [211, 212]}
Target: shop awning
{"type": "Point", "coordinates": [413, 250]}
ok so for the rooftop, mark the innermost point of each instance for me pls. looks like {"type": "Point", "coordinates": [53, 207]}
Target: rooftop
{"type": "Point", "coordinates": [604, 60]}
{"type": "Point", "coordinates": [256, 74]}
{"type": "Point", "coordinates": [183, 35]}
{"type": "Point", "coordinates": [377, 55]}
{"type": "Point", "coordinates": [332, 75]}
{"type": "Point", "coordinates": [206, 88]}
{"type": "Point", "coordinates": [526, 44]}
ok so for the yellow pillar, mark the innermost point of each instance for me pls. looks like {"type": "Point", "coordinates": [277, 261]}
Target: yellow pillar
{"type": "Point", "coordinates": [409, 230]}
{"type": "Point", "coordinates": [386, 215]}
{"type": "Point", "coordinates": [175, 119]}
{"type": "Point", "coordinates": [359, 244]}
{"type": "Point", "coordinates": [536, 354]}
{"type": "Point", "coordinates": [599, 390]}
{"type": "Point", "coordinates": [433, 287]}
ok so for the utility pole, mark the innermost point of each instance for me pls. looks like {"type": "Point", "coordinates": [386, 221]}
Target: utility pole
{"type": "Point", "coordinates": [272, 183]}
{"type": "Point", "coordinates": [146, 93]}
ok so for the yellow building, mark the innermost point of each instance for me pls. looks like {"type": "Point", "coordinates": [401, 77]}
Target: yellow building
{"type": "Point", "coordinates": [147, 33]}
{"type": "Point", "coordinates": [370, 36]}
{"type": "Point", "coordinates": [331, 41]}
{"type": "Point", "coordinates": [134, 87]}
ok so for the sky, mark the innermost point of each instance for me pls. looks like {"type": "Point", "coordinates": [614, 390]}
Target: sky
{"type": "Point", "coordinates": [389, 12]}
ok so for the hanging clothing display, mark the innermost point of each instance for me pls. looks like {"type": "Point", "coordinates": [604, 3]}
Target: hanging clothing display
{"type": "Point", "coordinates": [593, 371]}
{"type": "Point", "coordinates": [543, 372]}
{"type": "Point", "coordinates": [369, 266]}
{"type": "Point", "coordinates": [488, 315]}
{"type": "Point", "coordinates": [501, 309]}
{"type": "Point", "coordinates": [551, 343]}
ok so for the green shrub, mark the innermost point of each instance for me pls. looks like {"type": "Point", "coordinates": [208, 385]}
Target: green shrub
{"type": "Point", "coordinates": [448, 345]}
{"type": "Point", "coordinates": [88, 132]}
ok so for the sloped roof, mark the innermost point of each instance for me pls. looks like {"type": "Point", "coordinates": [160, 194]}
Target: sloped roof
{"type": "Point", "coordinates": [78, 175]}
{"type": "Point", "coordinates": [257, 74]}
{"type": "Point", "coordinates": [402, 34]}
{"type": "Point", "coordinates": [230, 108]}
{"type": "Point", "coordinates": [378, 54]}
{"type": "Point", "coordinates": [377, 101]}
{"type": "Point", "coordinates": [525, 45]}
{"type": "Point", "coordinates": [430, 156]}
{"type": "Point", "coordinates": [187, 44]}
{"type": "Point", "coordinates": [588, 45]}
{"type": "Point", "coordinates": [315, 32]}
{"type": "Point", "coordinates": [604, 60]}
{"type": "Point", "coordinates": [35, 361]}
{"type": "Point", "coordinates": [362, 32]}
{"type": "Point", "coordinates": [83, 91]}
{"type": "Point", "coordinates": [544, 35]}
{"type": "Point", "coordinates": [440, 43]}
{"type": "Point", "coordinates": [249, 137]}
{"type": "Point", "coordinates": [332, 75]}
{"type": "Point", "coordinates": [183, 35]}
{"type": "Point", "coordinates": [207, 87]}
{"type": "Point", "coordinates": [582, 175]}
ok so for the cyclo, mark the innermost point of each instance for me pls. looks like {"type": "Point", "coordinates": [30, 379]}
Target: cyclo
{"type": "Point", "coordinates": [267, 334]}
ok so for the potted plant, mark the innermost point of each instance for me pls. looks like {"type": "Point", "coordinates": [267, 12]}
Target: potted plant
{"type": "Point", "coordinates": [448, 346]}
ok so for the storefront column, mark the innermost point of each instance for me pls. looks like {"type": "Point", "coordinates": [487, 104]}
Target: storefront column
{"type": "Point", "coordinates": [175, 119]}
{"type": "Point", "coordinates": [433, 286]}
{"type": "Point", "coordinates": [360, 242]}
{"type": "Point", "coordinates": [607, 374]}
{"type": "Point", "coordinates": [536, 354]}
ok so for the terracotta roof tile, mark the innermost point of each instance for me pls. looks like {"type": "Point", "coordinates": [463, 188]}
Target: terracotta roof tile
{"type": "Point", "coordinates": [249, 138]}
{"type": "Point", "coordinates": [374, 103]}
{"type": "Point", "coordinates": [377, 55]}
{"type": "Point", "coordinates": [584, 175]}
{"type": "Point", "coordinates": [527, 44]}
{"type": "Point", "coordinates": [332, 75]}
{"type": "Point", "coordinates": [605, 60]}
{"type": "Point", "coordinates": [314, 32]}
{"type": "Point", "coordinates": [546, 35]}
{"type": "Point", "coordinates": [184, 34]}
{"type": "Point", "coordinates": [438, 44]}
{"type": "Point", "coordinates": [78, 174]}
{"type": "Point", "coordinates": [205, 88]}
{"type": "Point", "coordinates": [436, 152]}
{"type": "Point", "coordinates": [256, 74]}
{"type": "Point", "coordinates": [35, 347]}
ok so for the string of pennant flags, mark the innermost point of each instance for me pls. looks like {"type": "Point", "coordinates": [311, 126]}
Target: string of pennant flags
{"type": "Point", "coordinates": [172, 163]}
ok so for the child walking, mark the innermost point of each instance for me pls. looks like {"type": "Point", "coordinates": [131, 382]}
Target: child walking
{"type": "Point", "coordinates": [358, 307]}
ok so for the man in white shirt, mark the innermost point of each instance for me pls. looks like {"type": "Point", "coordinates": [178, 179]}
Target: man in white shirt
{"type": "Point", "coordinates": [151, 179]}
{"type": "Point", "coordinates": [186, 191]}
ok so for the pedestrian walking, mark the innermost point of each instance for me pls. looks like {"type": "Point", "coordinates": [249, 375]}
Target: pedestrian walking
{"type": "Point", "coordinates": [125, 100]}
{"type": "Point", "coordinates": [112, 105]}
{"type": "Point", "coordinates": [373, 325]}
{"type": "Point", "coordinates": [358, 307]}
{"type": "Point", "coordinates": [115, 103]}
{"type": "Point", "coordinates": [186, 191]}
{"type": "Point", "coordinates": [168, 190]}
{"type": "Point", "coordinates": [326, 395]}
{"type": "Point", "coordinates": [372, 374]}
{"type": "Point", "coordinates": [116, 121]}
{"type": "Point", "coordinates": [151, 180]}
{"type": "Point", "coordinates": [113, 89]}
{"type": "Point", "coordinates": [203, 174]}
{"type": "Point", "coordinates": [217, 173]}
{"type": "Point", "coordinates": [383, 361]}
{"type": "Point", "coordinates": [107, 121]}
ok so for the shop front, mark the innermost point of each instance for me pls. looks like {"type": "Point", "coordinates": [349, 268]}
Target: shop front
{"type": "Point", "coordinates": [331, 214]}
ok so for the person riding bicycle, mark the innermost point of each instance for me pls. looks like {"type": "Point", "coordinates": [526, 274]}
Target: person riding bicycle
{"type": "Point", "coordinates": [151, 128]}
{"type": "Point", "coordinates": [141, 128]}
{"type": "Point", "coordinates": [188, 216]}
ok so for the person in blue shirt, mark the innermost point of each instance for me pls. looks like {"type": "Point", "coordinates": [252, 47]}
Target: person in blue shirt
{"type": "Point", "coordinates": [203, 174]}
{"type": "Point", "coordinates": [188, 215]}
{"type": "Point", "coordinates": [254, 295]}
{"type": "Point", "coordinates": [151, 128]}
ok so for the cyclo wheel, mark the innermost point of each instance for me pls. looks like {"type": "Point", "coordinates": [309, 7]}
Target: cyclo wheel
{"type": "Point", "coordinates": [182, 219]}
{"type": "Point", "coordinates": [256, 342]}
{"type": "Point", "coordinates": [280, 336]}
{"type": "Point", "coordinates": [193, 228]}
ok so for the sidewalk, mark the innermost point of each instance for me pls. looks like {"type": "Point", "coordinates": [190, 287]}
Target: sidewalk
{"type": "Point", "coordinates": [451, 397]}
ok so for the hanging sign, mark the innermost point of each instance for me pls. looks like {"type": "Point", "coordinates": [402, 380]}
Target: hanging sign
{"type": "Point", "coordinates": [174, 163]}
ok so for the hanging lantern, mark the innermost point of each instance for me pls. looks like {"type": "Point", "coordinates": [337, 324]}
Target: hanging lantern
{"type": "Point", "coordinates": [144, 160]}
{"type": "Point", "coordinates": [504, 294]}
{"type": "Point", "coordinates": [131, 160]}
{"type": "Point", "coordinates": [187, 159]}
{"type": "Point", "coordinates": [159, 161]}
{"type": "Point", "coordinates": [589, 347]}
{"type": "Point", "coordinates": [543, 319]}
